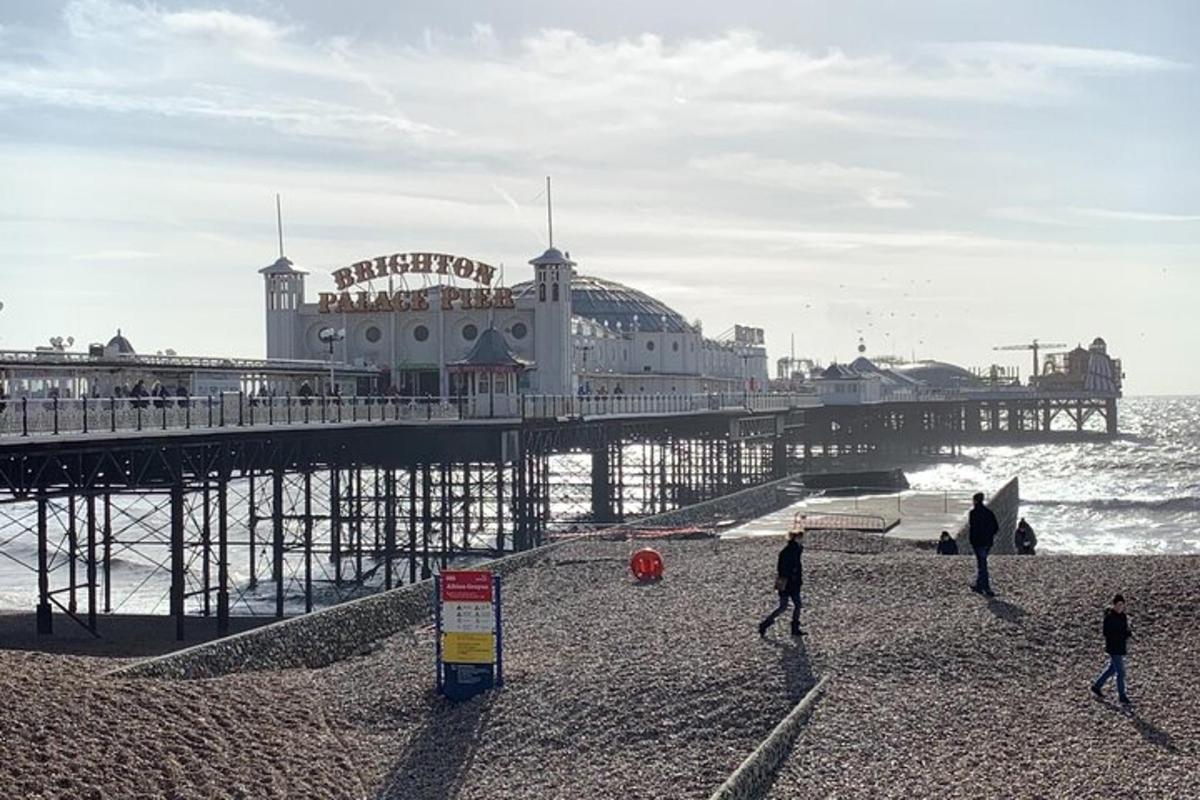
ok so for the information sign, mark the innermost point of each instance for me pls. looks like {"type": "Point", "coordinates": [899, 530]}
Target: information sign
{"type": "Point", "coordinates": [469, 642]}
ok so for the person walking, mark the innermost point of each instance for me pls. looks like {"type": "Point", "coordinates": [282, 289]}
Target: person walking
{"type": "Point", "coordinates": [1116, 636]}
{"type": "Point", "coordinates": [789, 577]}
{"type": "Point", "coordinates": [1024, 539]}
{"type": "Point", "coordinates": [983, 526]}
{"type": "Point", "coordinates": [946, 545]}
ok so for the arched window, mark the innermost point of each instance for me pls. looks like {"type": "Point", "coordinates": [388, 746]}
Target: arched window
{"type": "Point", "coordinates": [555, 292]}
{"type": "Point", "coordinates": [542, 293]}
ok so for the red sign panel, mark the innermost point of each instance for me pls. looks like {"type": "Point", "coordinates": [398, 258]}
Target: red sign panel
{"type": "Point", "coordinates": [466, 586]}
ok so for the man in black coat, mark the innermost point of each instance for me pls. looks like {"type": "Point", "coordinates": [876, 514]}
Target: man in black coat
{"type": "Point", "coordinates": [983, 534]}
{"type": "Point", "coordinates": [1116, 636]}
{"type": "Point", "coordinates": [789, 578]}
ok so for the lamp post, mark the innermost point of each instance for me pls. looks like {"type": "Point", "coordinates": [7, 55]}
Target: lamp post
{"type": "Point", "coordinates": [329, 336]}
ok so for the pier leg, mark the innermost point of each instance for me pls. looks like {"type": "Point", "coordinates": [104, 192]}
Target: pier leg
{"type": "Point", "coordinates": [72, 553]}
{"type": "Point", "coordinates": [499, 507]}
{"type": "Point", "coordinates": [44, 619]}
{"type": "Point", "coordinates": [177, 564]}
{"type": "Point", "coordinates": [426, 520]}
{"type": "Point", "coordinates": [308, 541]}
{"type": "Point", "coordinates": [253, 529]}
{"type": "Point", "coordinates": [335, 524]}
{"type": "Point", "coordinates": [223, 553]}
{"type": "Point", "coordinates": [602, 501]}
{"type": "Point", "coordinates": [107, 544]}
{"type": "Point", "coordinates": [277, 571]}
{"type": "Point", "coordinates": [206, 546]}
{"type": "Point", "coordinates": [389, 525]}
{"type": "Point", "coordinates": [91, 561]}
{"type": "Point", "coordinates": [412, 525]}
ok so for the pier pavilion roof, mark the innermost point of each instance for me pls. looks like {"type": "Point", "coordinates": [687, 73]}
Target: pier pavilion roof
{"type": "Point", "coordinates": [619, 305]}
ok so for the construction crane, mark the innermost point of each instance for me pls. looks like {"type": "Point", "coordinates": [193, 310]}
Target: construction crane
{"type": "Point", "coordinates": [1035, 346]}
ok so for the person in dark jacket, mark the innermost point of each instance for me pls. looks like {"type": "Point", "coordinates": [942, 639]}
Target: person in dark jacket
{"type": "Point", "coordinates": [983, 535]}
{"type": "Point", "coordinates": [789, 578]}
{"type": "Point", "coordinates": [1024, 539]}
{"type": "Point", "coordinates": [1116, 635]}
{"type": "Point", "coordinates": [946, 545]}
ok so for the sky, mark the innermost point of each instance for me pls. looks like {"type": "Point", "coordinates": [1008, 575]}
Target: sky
{"type": "Point", "coordinates": [937, 178]}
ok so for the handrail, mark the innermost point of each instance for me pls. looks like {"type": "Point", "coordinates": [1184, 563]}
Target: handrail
{"type": "Point", "coordinates": [28, 416]}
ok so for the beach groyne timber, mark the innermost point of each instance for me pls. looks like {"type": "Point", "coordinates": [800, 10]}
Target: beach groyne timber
{"type": "Point", "coordinates": [338, 632]}
{"type": "Point", "coordinates": [1006, 505]}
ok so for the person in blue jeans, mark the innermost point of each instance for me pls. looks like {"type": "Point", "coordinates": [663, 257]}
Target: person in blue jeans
{"type": "Point", "coordinates": [983, 527]}
{"type": "Point", "coordinates": [1116, 636]}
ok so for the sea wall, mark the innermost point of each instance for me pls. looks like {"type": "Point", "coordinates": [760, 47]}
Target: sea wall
{"type": "Point", "coordinates": [338, 632]}
{"type": "Point", "coordinates": [1006, 505]}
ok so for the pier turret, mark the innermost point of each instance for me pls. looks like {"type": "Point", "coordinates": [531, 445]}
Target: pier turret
{"type": "Point", "coordinates": [552, 272]}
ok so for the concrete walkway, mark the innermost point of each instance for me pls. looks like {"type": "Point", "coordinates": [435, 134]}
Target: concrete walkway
{"type": "Point", "coordinates": [917, 515]}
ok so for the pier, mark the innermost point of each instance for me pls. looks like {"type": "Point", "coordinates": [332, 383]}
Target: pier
{"type": "Point", "coordinates": [316, 500]}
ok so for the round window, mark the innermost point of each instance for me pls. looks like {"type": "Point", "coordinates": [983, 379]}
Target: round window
{"type": "Point", "coordinates": [373, 334]}
{"type": "Point", "coordinates": [520, 330]}
{"type": "Point", "coordinates": [649, 345]}
{"type": "Point", "coordinates": [470, 332]}
{"type": "Point", "coordinates": [420, 333]}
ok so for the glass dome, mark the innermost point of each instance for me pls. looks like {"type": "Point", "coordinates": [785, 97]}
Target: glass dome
{"type": "Point", "coordinates": [616, 304]}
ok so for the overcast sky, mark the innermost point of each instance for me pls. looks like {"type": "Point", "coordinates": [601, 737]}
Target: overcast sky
{"type": "Point", "coordinates": [936, 177]}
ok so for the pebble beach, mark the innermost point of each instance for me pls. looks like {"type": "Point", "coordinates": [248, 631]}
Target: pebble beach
{"type": "Point", "coordinates": [620, 690]}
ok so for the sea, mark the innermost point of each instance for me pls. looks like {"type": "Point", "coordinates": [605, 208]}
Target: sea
{"type": "Point", "coordinates": [1139, 494]}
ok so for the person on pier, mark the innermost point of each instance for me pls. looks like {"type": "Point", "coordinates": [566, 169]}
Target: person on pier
{"type": "Point", "coordinates": [983, 526]}
{"type": "Point", "coordinates": [789, 577]}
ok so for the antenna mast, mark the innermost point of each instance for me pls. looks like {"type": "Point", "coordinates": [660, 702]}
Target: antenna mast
{"type": "Point", "coordinates": [549, 212]}
{"type": "Point", "coordinates": [279, 222]}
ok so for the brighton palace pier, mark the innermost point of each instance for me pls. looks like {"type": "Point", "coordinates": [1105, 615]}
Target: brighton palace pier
{"type": "Point", "coordinates": [417, 411]}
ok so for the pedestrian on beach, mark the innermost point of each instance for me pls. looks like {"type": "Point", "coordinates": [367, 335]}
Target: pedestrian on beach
{"type": "Point", "coordinates": [789, 577]}
{"type": "Point", "coordinates": [946, 545]}
{"type": "Point", "coordinates": [1116, 636]}
{"type": "Point", "coordinates": [983, 526]}
{"type": "Point", "coordinates": [1024, 539]}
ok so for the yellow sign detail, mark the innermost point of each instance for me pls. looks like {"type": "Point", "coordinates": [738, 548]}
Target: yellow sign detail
{"type": "Point", "coordinates": [469, 648]}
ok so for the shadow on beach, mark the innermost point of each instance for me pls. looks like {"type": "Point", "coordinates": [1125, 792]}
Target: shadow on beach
{"type": "Point", "coordinates": [1006, 611]}
{"type": "Point", "coordinates": [796, 665]}
{"type": "Point", "coordinates": [1149, 732]}
{"type": "Point", "coordinates": [120, 635]}
{"type": "Point", "coordinates": [437, 757]}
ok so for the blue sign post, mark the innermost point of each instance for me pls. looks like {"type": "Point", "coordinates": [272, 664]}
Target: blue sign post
{"type": "Point", "coordinates": [470, 644]}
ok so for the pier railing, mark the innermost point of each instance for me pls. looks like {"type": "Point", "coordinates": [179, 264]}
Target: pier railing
{"type": "Point", "coordinates": [562, 406]}
{"type": "Point", "coordinates": [27, 416]}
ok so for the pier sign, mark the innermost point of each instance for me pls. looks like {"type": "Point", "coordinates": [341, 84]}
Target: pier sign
{"type": "Point", "coordinates": [469, 642]}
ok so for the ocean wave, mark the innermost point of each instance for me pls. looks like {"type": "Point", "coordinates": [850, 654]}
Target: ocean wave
{"type": "Point", "coordinates": [1186, 503]}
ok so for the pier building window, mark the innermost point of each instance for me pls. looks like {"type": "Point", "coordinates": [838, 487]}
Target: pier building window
{"type": "Point", "coordinates": [554, 294]}
{"type": "Point", "coordinates": [373, 334]}
{"type": "Point", "coordinates": [542, 293]}
{"type": "Point", "coordinates": [675, 346]}
{"type": "Point", "coordinates": [469, 332]}
{"type": "Point", "coordinates": [420, 333]}
{"type": "Point", "coordinates": [520, 330]}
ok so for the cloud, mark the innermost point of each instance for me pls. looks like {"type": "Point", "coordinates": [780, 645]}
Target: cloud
{"type": "Point", "coordinates": [1075, 217]}
{"type": "Point", "coordinates": [875, 188]}
{"type": "Point", "coordinates": [1054, 57]}
{"type": "Point", "coordinates": [1134, 216]}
